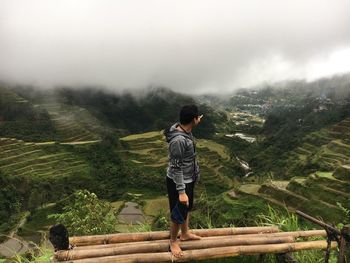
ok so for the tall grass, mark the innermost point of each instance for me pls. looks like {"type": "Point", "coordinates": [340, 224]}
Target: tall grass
{"type": "Point", "coordinates": [37, 255]}
{"type": "Point", "coordinates": [207, 217]}
{"type": "Point", "coordinates": [288, 221]}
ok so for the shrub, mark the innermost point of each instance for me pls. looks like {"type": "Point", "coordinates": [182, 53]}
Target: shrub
{"type": "Point", "coordinates": [85, 214]}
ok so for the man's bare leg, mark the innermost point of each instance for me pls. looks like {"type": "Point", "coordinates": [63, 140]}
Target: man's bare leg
{"type": "Point", "coordinates": [185, 233]}
{"type": "Point", "coordinates": [174, 243]}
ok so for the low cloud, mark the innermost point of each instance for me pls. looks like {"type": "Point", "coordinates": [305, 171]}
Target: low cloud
{"type": "Point", "coordinates": [189, 46]}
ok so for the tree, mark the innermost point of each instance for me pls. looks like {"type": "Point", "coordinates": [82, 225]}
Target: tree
{"type": "Point", "coordinates": [85, 214]}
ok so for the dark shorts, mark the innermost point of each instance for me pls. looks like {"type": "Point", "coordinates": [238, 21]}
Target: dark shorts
{"type": "Point", "coordinates": [173, 194]}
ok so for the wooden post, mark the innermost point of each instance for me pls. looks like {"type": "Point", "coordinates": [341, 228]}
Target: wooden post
{"type": "Point", "coordinates": [344, 253]}
{"type": "Point", "coordinates": [285, 258]}
{"type": "Point", "coordinates": [261, 258]}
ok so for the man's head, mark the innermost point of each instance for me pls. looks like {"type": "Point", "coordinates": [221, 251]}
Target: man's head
{"type": "Point", "coordinates": [189, 115]}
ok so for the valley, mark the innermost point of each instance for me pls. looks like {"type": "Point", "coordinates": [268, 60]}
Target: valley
{"type": "Point", "coordinates": [249, 159]}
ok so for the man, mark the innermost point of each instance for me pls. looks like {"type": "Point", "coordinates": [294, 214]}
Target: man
{"type": "Point", "coordinates": [182, 172]}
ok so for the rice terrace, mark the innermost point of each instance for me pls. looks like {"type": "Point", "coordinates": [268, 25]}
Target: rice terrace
{"type": "Point", "coordinates": [175, 131]}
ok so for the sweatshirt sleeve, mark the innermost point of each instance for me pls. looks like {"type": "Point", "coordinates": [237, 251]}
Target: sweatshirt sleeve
{"type": "Point", "coordinates": [177, 149]}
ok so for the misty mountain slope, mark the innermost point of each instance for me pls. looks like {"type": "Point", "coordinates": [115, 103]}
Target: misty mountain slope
{"type": "Point", "coordinates": [21, 119]}
{"type": "Point", "coordinates": [8, 96]}
{"type": "Point", "coordinates": [73, 124]}
{"type": "Point", "coordinates": [132, 113]}
{"type": "Point", "coordinates": [144, 110]}
{"type": "Point", "coordinates": [138, 112]}
{"type": "Point", "coordinates": [265, 97]}
{"type": "Point", "coordinates": [293, 137]}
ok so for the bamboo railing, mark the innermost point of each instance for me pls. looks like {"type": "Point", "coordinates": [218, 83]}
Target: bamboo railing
{"type": "Point", "coordinates": [215, 243]}
{"type": "Point", "coordinates": [155, 235]}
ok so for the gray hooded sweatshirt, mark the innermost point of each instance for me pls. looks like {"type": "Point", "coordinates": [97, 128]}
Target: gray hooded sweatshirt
{"type": "Point", "coordinates": [182, 166]}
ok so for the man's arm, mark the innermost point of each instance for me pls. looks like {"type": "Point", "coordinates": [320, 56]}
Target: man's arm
{"type": "Point", "coordinates": [177, 149]}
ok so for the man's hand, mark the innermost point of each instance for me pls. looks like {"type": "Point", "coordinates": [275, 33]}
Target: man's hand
{"type": "Point", "coordinates": [198, 119]}
{"type": "Point", "coordinates": [183, 198]}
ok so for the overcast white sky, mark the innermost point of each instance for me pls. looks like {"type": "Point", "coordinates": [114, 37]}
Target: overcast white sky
{"type": "Point", "coordinates": [187, 45]}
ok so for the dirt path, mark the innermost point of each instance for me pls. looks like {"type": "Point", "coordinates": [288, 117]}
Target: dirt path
{"type": "Point", "coordinates": [131, 214]}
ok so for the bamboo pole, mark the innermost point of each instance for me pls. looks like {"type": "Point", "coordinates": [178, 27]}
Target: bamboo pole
{"type": "Point", "coordinates": [295, 234]}
{"type": "Point", "coordinates": [155, 235]}
{"type": "Point", "coordinates": [161, 246]}
{"type": "Point", "coordinates": [219, 252]}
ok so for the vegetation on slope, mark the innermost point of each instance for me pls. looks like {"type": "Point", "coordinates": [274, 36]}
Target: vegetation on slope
{"type": "Point", "coordinates": [299, 142]}
{"type": "Point", "coordinates": [20, 119]}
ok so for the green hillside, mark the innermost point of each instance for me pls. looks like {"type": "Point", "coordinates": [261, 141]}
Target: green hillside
{"type": "Point", "coordinates": [77, 149]}
{"type": "Point", "coordinates": [53, 143]}
{"type": "Point", "coordinates": [149, 151]}
{"type": "Point", "coordinates": [39, 173]}
{"type": "Point", "coordinates": [20, 119]}
{"type": "Point", "coordinates": [323, 150]}
{"type": "Point", "coordinates": [19, 158]}
{"type": "Point", "coordinates": [311, 181]}
{"type": "Point", "coordinates": [47, 119]}
{"type": "Point", "coordinates": [316, 194]}
{"type": "Point", "coordinates": [72, 123]}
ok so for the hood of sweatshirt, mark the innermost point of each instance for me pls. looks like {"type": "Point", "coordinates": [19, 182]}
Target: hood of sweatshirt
{"type": "Point", "coordinates": [172, 132]}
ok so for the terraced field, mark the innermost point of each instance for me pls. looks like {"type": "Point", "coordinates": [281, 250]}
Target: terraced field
{"type": "Point", "coordinates": [73, 123]}
{"type": "Point", "coordinates": [67, 123]}
{"type": "Point", "coordinates": [19, 158]}
{"type": "Point", "coordinates": [155, 205]}
{"type": "Point", "coordinates": [327, 148]}
{"type": "Point", "coordinates": [149, 150]}
{"type": "Point", "coordinates": [316, 194]}
{"type": "Point", "coordinates": [8, 95]}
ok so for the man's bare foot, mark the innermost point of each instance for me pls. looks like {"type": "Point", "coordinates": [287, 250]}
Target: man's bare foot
{"type": "Point", "coordinates": [189, 236]}
{"type": "Point", "coordinates": [175, 249]}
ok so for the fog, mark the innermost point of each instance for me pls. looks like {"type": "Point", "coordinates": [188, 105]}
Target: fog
{"type": "Point", "coordinates": [188, 46]}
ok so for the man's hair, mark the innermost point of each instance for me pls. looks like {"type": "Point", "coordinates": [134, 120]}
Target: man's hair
{"type": "Point", "coordinates": [59, 237]}
{"type": "Point", "coordinates": [187, 113]}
